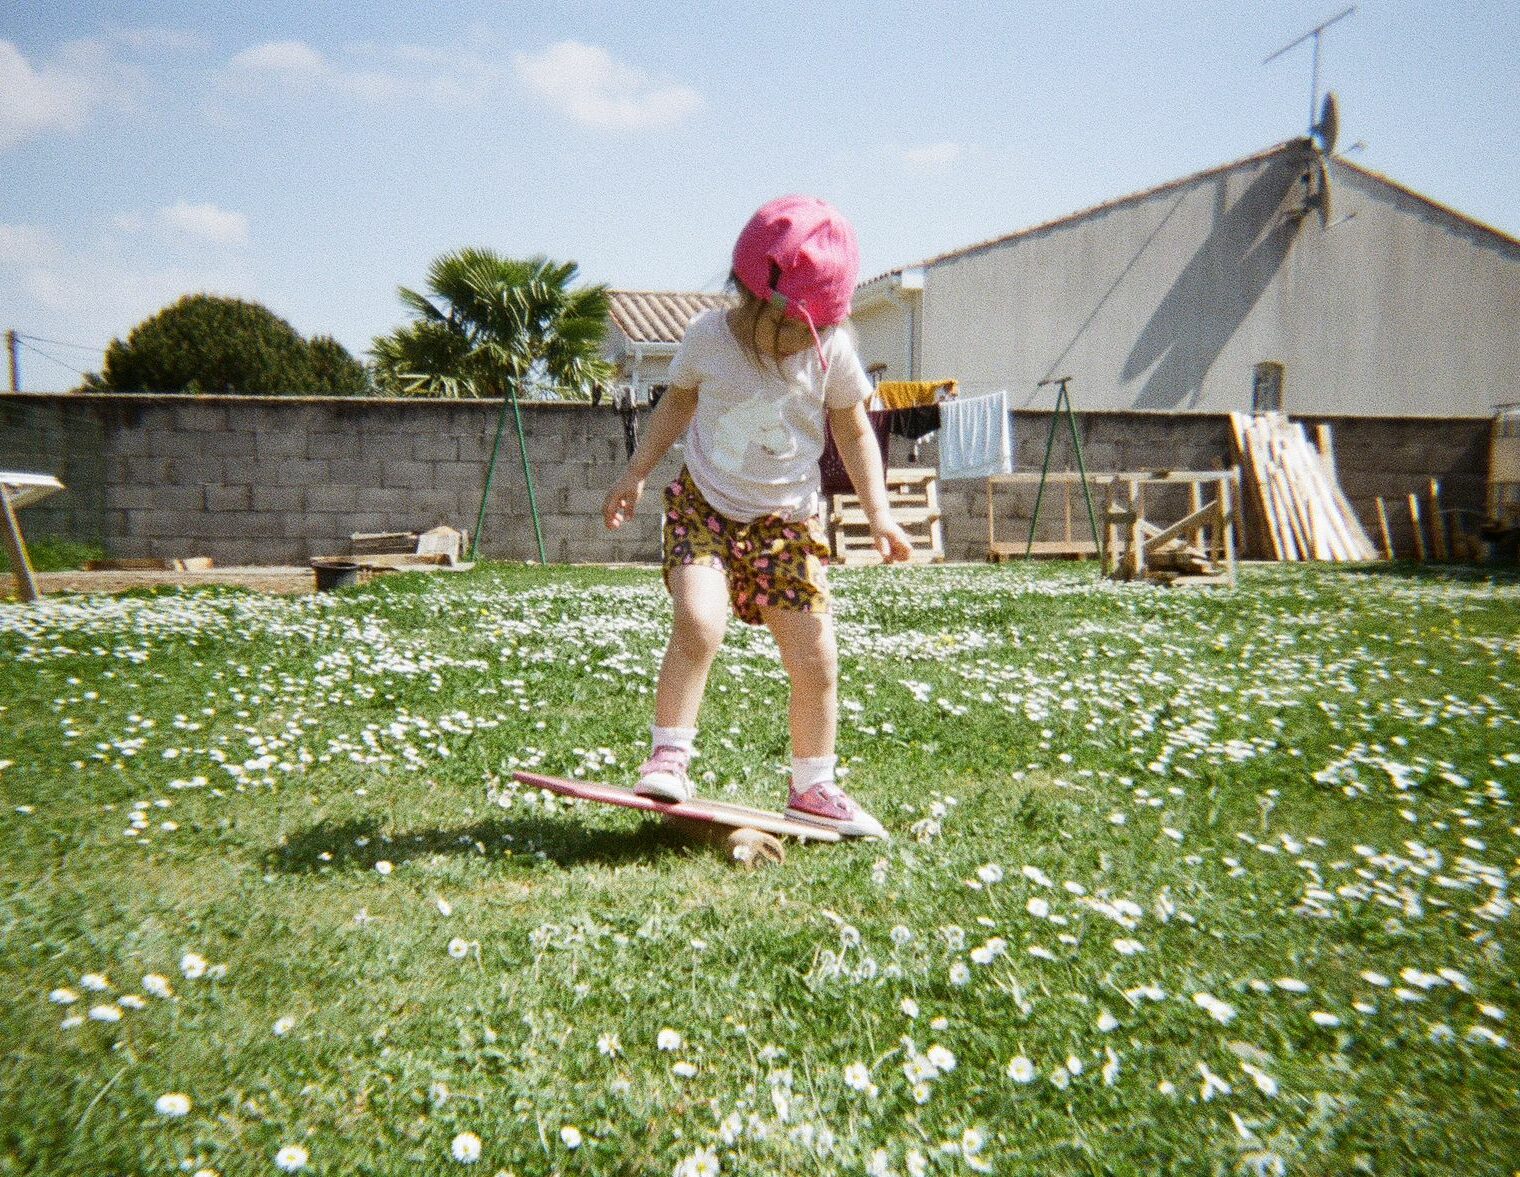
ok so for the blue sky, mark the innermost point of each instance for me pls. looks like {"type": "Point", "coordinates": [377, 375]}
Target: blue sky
{"type": "Point", "coordinates": [315, 157]}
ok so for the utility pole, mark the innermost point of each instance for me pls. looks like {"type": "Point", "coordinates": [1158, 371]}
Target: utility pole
{"type": "Point", "coordinates": [13, 346]}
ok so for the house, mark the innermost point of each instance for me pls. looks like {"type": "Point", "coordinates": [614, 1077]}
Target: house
{"type": "Point", "coordinates": [1289, 279]}
{"type": "Point", "coordinates": [645, 328]}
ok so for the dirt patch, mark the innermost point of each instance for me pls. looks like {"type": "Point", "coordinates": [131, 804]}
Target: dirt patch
{"type": "Point", "coordinates": [281, 579]}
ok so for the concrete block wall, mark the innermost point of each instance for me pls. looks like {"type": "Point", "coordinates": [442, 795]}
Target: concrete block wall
{"type": "Point", "coordinates": [273, 480]}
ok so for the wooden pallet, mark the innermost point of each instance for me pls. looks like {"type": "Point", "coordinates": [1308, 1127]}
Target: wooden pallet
{"type": "Point", "coordinates": [913, 498]}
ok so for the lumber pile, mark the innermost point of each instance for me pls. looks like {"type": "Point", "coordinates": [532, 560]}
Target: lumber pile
{"type": "Point", "coordinates": [1300, 511]}
{"type": "Point", "coordinates": [1198, 549]}
{"type": "Point", "coordinates": [913, 496]}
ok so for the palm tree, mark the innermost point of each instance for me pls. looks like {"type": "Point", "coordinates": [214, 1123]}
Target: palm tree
{"type": "Point", "coordinates": [498, 327]}
{"type": "Point", "coordinates": [495, 326]}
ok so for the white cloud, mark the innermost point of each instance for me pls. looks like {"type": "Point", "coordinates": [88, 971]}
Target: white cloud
{"type": "Point", "coordinates": [288, 59]}
{"type": "Point", "coordinates": [59, 93]}
{"type": "Point", "coordinates": [589, 85]}
{"type": "Point", "coordinates": [206, 222]}
{"type": "Point", "coordinates": [932, 155]}
{"type": "Point", "coordinates": [370, 73]}
{"type": "Point", "coordinates": [91, 290]}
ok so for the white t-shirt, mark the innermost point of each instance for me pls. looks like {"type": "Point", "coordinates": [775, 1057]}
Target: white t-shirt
{"type": "Point", "coordinates": [754, 443]}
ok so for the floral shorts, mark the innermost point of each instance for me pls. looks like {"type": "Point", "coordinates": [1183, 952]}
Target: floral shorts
{"type": "Point", "coordinates": [768, 562]}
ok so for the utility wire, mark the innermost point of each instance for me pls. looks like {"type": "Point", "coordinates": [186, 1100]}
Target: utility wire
{"type": "Point", "coordinates": [54, 359]}
{"type": "Point", "coordinates": [58, 342]}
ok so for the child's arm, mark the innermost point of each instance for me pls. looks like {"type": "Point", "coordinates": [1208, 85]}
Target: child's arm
{"type": "Point", "coordinates": [664, 428]}
{"type": "Point", "coordinates": [862, 462]}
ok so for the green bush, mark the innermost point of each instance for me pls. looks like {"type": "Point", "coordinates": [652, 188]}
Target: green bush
{"type": "Point", "coordinates": [209, 344]}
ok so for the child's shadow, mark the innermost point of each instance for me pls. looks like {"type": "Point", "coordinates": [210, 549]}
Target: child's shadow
{"type": "Point", "coordinates": [360, 844]}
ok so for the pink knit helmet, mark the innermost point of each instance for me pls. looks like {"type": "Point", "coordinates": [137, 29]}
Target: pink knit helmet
{"type": "Point", "coordinates": [801, 251]}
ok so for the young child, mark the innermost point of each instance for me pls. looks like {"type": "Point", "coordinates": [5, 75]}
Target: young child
{"type": "Point", "coordinates": [751, 387]}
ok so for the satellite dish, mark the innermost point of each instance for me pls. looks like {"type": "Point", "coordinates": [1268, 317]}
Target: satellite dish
{"type": "Point", "coordinates": [1329, 126]}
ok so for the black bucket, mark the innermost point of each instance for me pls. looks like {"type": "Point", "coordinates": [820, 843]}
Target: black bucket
{"type": "Point", "coordinates": [335, 576]}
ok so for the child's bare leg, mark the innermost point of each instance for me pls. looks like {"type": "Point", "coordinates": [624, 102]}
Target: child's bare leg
{"type": "Point", "coordinates": [699, 593]}
{"type": "Point", "coordinates": [812, 663]}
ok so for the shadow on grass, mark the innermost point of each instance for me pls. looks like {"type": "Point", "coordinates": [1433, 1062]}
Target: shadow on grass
{"type": "Point", "coordinates": [1439, 573]}
{"type": "Point", "coordinates": [563, 839]}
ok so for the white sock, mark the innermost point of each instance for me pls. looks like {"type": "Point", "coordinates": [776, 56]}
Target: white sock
{"type": "Point", "coordinates": [684, 738]}
{"type": "Point", "coordinates": [808, 771]}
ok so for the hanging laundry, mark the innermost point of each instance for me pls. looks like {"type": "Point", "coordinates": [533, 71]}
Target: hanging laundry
{"type": "Point", "coordinates": [908, 394]}
{"type": "Point", "coordinates": [916, 422]}
{"type": "Point", "coordinates": [833, 478]}
{"type": "Point", "coordinates": [975, 437]}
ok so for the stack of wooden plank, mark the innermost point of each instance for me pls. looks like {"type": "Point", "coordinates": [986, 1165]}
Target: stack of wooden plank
{"type": "Point", "coordinates": [1299, 510]}
{"type": "Point", "coordinates": [913, 496]}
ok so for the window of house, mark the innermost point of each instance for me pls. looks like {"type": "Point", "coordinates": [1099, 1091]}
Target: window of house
{"type": "Point", "coordinates": [1267, 388]}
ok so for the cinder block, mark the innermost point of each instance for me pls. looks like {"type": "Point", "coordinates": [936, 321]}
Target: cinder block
{"type": "Point", "coordinates": [306, 472]}
{"type": "Point", "coordinates": [201, 468]}
{"type": "Point", "coordinates": [333, 499]}
{"type": "Point", "coordinates": [228, 498]}
{"type": "Point", "coordinates": [386, 447]}
{"type": "Point", "coordinates": [279, 443]}
{"type": "Point", "coordinates": [407, 473]}
{"type": "Point", "coordinates": [333, 446]}
{"type": "Point", "coordinates": [278, 498]}
{"type": "Point", "coordinates": [356, 472]}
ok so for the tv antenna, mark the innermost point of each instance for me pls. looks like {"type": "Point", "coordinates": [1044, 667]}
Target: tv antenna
{"type": "Point", "coordinates": [1316, 32]}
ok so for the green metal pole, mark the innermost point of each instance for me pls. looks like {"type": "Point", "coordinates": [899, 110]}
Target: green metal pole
{"type": "Point", "coordinates": [1039, 493]}
{"type": "Point", "coordinates": [522, 448]}
{"type": "Point", "coordinates": [1076, 444]}
{"type": "Point", "coordinates": [480, 519]}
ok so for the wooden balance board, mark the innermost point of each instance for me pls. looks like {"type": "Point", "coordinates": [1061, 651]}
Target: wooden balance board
{"type": "Point", "coordinates": [752, 837]}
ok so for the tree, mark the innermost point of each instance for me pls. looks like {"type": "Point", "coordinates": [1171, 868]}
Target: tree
{"type": "Point", "coordinates": [335, 372]}
{"type": "Point", "coordinates": [204, 343]}
{"type": "Point", "coordinates": [493, 326]}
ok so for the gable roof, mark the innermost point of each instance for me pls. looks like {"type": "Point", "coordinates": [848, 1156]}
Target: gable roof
{"type": "Point", "coordinates": [1287, 147]}
{"type": "Point", "coordinates": [653, 316]}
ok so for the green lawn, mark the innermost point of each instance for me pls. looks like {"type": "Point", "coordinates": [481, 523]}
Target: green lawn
{"type": "Point", "coordinates": [1192, 882]}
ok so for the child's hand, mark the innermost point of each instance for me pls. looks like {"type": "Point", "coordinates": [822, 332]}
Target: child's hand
{"type": "Point", "coordinates": [892, 543]}
{"type": "Point", "coordinates": [617, 507]}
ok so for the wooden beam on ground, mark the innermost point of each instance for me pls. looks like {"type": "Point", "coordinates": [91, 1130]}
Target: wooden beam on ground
{"type": "Point", "coordinates": [1383, 526]}
{"type": "Point", "coordinates": [1438, 523]}
{"type": "Point", "coordinates": [1419, 532]}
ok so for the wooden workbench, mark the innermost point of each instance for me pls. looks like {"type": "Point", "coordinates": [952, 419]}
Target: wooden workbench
{"type": "Point", "coordinates": [18, 490]}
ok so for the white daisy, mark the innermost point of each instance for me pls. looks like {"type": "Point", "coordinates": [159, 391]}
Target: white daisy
{"type": "Point", "coordinates": [156, 985]}
{"type": "Point", "coordinates": [63, 997]}
{"type": "Point", "coordinates": [459, 948]}
{"type": "Point", "coordinates": [571, 1136]}
{"type": "Point", "coordinates": [609, 1045]}
{"type": "Point", "coordinates": [94, 982]}
{"type": "Point", "coordinates": [909, 1007]}
{"type": "Point", "coordinates": [668, 1039]}
{"type": "Point", "coordinates": [104, 1013]}
{"type": "Point", "coordinates": [857, 1076]}
{"type": "Point", "coordinates": [193, 966]}
{"type": "Point", "coordinates": [465, 1148]}
{"type": "Point", "coordinates": [1021, 1070]}
{"type": "Point", "coordinates": [172, 1104]}
{"type": "Point", "coordinates": [1107, 1022]}
{"type": "Point", "coordinates": [291, 1158]}
{"type": "Point", "coordinates": [1320, 1018]}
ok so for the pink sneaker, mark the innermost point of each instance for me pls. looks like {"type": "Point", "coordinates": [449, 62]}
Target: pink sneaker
{"type": "Point", "coordinates": [826, 804]}
{"type": "Point", "coordinates": [663, 776]}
